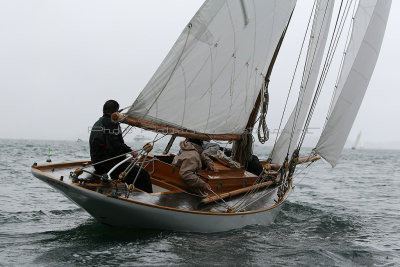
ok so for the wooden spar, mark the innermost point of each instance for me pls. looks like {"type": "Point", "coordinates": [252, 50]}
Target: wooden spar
{"type": "Point", "coordinates": [168, 147]}
{"type": "Point", "coordinates": [308, 159]}
{"type": "Point", "coordinates": [168, 130]}
{"type": "Point", "coordinates": [254, 112]}
{"type": "Point", "coordinates": [235, 192]}
{"type": "Point", "coordinates": [241, 154]}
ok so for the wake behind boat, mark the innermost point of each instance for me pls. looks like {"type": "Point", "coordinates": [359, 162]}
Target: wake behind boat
{"type": "Point", "coordinates": [214, 85]}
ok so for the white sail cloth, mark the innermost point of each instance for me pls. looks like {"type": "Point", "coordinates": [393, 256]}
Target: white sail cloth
{"type": "Point", "coordinates": [294, 125]}
{"type": "Point", "coordinates": [361, 56]}
{"type": "Point", "coordinates": [211, 78]}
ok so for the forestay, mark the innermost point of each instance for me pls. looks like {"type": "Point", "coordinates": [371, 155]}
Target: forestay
{"type": "Point", "coordinates": [211, 78]}
{"type": "Point", "coordinates": [319, 33]}
{"type": "Point", "coordinates": [361, 56]}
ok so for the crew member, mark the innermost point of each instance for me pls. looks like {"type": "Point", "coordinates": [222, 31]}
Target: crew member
{"type": "Point", "coordinates": [190, 160]}
{"type": "Point", "coordinates": [106, 142]}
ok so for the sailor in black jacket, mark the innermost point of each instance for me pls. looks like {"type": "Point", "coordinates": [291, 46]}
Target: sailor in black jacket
{"type": "Point", "coordinates": [106, 142]}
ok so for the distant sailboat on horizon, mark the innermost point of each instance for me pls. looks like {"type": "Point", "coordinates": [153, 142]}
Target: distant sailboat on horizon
{"type": "Point", "coordinates": [357, 142]}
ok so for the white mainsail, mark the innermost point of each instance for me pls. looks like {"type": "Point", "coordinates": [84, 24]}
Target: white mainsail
{"type": "Point", "coordinates": [210, 80]}
{"type": "Point", "coordinates": [361, 56]}
{"type": "Point", "coordinates": [319, 34]}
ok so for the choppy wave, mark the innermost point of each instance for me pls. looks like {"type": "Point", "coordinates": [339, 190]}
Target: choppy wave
{"type": "Point", "coordinates": [346, 216]}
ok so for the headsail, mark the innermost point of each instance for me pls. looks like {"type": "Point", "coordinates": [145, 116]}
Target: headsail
{"type": "Point", "coordinates": [210, 79]}
{"type": "Point", "coordinates": [361, 56]}
{"type": "Point", "coordinates": [319, 34]}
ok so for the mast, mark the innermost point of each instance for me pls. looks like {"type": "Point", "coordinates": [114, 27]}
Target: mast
{"type": "Point", "coordinates": [243, 148]}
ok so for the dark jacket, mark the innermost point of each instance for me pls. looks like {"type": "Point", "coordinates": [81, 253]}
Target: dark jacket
{"type": "Point", "coordinates": [106, 140]}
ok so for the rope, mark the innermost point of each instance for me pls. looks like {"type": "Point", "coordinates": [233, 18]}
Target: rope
{"type": "Point", "coordinates": [332, 49]}
{"type": "Point", "coordinates": [341, 66]}
{"type": "Point", "coordinates": [122, 109]}
{"type": "Point", "coordinates": [306, 77]}
{"type": "Point", "coordinates": [263, 132]}
{"type": "Point", "coordinates": [308, 165]}
{"type": "Point", "coordinates": [223, 201]}
{"type": "Point", "coordinates": [292, 82]}
{"type": "Point", "coordinates": [100, 162]}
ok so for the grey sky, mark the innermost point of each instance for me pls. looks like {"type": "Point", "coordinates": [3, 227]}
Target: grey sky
{"type": "Point", "coordinates": [60, 60]}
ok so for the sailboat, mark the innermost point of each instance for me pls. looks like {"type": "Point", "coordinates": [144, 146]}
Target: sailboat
{"type": "Point", "coordinates": [357, 142]}
{"type": "Point", "coordinates": [214, 85]}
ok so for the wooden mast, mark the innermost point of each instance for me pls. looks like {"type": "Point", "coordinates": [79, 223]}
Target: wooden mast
{"type": "Point", "coordinates": [242, 148]}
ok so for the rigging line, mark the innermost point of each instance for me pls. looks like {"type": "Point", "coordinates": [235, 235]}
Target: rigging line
{"type": "Point", "coordinates": [262, 196]}
{"type": "Point", "coordinates": [248, 194]}
{"type": "Point", "coordinates": [252, 191]}
{"type": "Point", "coordinates": [337, 34]}
{"type": "Point", "coordinates": [122, 109]}
{"type": "Point", "coordinates": [341, 63]}
{"type": "Point", "coordinates": [244, 200]}
{"type": "Point", "coordinates": [298, 109]}
{"type": "Point", "coordinates": [126, 130]}
{"type": "Point", "coordinates": [127, 153]}
{"type": "Point", "coordinates": [190, 26]}
{"type": "Point", "coordinates": [291, 84]}
{"type": "Point", "coordinates": [156, 140]}
{"type": "Point", "coordinates": [324, 74]}
{"type": "Point", "coordinates": [301, 92]}
{"type": "Point", "coordinates": [305, 174]}
{"type": "Point", "coordinates": [333, 39]}
{"type": "Point", "coordinates": [223, 201]}
{"type": "Point", "coordinates": [328, 62]}
{"type": "Point", "coordinates": [257, 181]}
{"type": "Point", "coordinates": [335, 42]}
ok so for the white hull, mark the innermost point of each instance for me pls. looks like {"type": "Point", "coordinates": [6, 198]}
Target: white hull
{"type": "Point", "coordinates": [139, 215]}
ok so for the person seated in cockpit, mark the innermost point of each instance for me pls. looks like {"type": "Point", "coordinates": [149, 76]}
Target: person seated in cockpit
{"type": "Point", "coordinates": [106, 142]}
{"type": "Point", "coordinates": [190, 160]}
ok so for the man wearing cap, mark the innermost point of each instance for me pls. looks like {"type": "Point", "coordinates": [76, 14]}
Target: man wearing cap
{"type": "Point", "coordinates": [106, 142]}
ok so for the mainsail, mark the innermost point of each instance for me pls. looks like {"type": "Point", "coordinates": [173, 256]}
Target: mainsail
{"type": "Point", "coordinates": [361, 56]}
{"type": "Point", "coordinates": [319, 33]}
{"type": "Point", "coordinates": [210, 80]}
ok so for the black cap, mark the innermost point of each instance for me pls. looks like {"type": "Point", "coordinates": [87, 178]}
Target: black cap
{"type": "Point", "coordinates": [195, 141]}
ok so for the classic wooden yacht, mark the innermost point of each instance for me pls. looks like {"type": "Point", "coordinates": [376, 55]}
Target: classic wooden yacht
{"type": "Point", "coordinates": [214, 85]}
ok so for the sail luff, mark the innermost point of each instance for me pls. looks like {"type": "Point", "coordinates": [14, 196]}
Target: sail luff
{"type": "Point", "coordinates": [293, 128]}
{"type": "Point", "coordinates": [361, 57]}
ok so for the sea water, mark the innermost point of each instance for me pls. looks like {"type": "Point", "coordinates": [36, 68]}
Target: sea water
{"type": "Point", "coordinates": [347, 216]}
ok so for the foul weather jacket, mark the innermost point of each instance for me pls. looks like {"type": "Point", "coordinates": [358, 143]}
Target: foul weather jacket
{"type": "Point", "coordinates": [189, 161]}
{"type": "Point", "coordinates": [106, 140]}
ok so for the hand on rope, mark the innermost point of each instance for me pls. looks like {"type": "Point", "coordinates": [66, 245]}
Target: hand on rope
{"type": "Point", "coordinates": [206, 186]}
